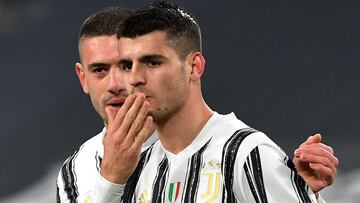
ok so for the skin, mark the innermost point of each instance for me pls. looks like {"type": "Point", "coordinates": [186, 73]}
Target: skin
{"type": "Point", "coordinates": [103, 79]}
{"type": "Point", "coordinates": [99, 74]}
{"type": "Point", "coordinates": [172, 86]}
{"type": "Point", "coordinates": [149, 62]}
{"type": "Point", "coordinates": [316, 163]}
{"type": "Point", "coordinates": [128, 127]}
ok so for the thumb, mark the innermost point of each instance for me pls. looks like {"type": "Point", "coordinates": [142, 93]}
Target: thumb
{"type": "Point", "coordinates": [314, 139]}
{"type": "Point", "coordinates": [311, 140]}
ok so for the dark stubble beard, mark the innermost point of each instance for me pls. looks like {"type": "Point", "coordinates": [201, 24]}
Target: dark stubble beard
{"type": "Point", "coordinates": [163, 114]}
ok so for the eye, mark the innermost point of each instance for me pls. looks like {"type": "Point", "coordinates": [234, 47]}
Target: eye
{"type": "Point", "coordinates": [126, 66]}
{"type": "Point", "coordinates": [99, 70]}
{"type": "Point", "coordinates": [154, 63]}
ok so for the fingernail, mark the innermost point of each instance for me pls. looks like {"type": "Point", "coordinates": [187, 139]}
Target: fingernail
{"type": "Point", "coordinates": [297, 152]}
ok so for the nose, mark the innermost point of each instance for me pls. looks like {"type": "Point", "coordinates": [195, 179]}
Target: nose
{"type": "Point", "coordinates": [115, 82]}
{"type": "Point", "coordinates": [137, 75]}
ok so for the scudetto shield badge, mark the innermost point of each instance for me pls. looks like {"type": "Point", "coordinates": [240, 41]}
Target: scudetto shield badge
{"type": "Point", "coordinates": [174, 191]}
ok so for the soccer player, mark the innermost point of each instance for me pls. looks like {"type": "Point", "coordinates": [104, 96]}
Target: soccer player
{"type": "Point", "coordinates": [79, 179]}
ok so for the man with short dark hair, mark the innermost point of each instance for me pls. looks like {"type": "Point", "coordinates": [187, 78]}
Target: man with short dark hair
{"type": "Point", "coordinates": [79, 176]}
{"type": "Point", "coordinates": [93, 172]}
{"type": "Point", "coordinates": [201, 155]}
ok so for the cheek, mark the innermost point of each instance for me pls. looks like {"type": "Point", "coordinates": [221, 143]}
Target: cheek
{"type": "Point", "coordinates": [175, 86]}
{"type": "Point", "coordinates": [95, 94]}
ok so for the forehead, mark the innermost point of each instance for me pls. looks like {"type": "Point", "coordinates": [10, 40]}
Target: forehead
{"type": "Point", "coordinates": [152, 43]}
{"type": "Point", "coordinates": [99, 48]}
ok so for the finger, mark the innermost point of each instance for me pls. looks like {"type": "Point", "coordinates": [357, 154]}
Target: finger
{"type": "Point", "coordinates": [123, 110]}
{"type": "Point", "coordinates": [322, 159]}
{"type": "Point", "coordinates": [144, 133]}
{"type": "Point", "coordinates": [138, 123]}
{"type": "Point", "coordinates": [320, 151]}
{"type": "Point", "coordinates": [318, 145]}
{"type": "Point", "coordinates": [131, 114]}
{"type": "Point", "coordinates": [110, 116]}
{"type": "Point", "coordinates": [325, 172]}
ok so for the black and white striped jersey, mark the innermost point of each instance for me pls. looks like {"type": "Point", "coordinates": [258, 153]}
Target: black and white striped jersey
{"type": "Point", "coordinates": [79, 179]}
{"type": "Point", "coordinates": [227, 162]}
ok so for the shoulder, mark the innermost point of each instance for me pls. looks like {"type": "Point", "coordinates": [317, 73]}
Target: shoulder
{"type": "Point", "coordinates": [85, 156]}
{"type": "Point", "coordinates": [89, 148]}
{"type": "Point", "coordinates": [76, 176]}
{"type": "Point", "coordinates": [238, 140]}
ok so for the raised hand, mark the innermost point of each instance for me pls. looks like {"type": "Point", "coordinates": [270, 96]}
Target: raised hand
{"type": "Point", "coordinates": [126, 131]}
{"type": "Point", "coordinates": [316, 163]}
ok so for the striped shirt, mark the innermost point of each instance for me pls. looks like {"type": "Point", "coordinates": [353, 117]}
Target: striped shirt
{"type": "Point", "coordinates": [227, 162]}
{"type": "Point", "coordinates": [79, 178]}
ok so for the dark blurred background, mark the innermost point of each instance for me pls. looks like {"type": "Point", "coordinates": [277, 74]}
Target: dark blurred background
{"type": "Point", "coordinates": [288, 68]}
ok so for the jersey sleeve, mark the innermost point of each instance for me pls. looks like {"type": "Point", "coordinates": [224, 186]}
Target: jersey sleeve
{"type": "Point", "coordinates": [61, 196]}
{"type": "Point", "coordinates": [66, 183]}
{"type": "Point", "coordinates": [266, 174]}
{"type": "Point", "coordinates": [101, 190]}
{"type": "Point", "coordinates": [107, 192]}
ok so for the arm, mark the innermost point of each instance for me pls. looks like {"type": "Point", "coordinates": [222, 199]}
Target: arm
{"type": "Point", "coordinates": [119, 153]}
{"type": "Point", "coordinates": [316, 163]}
{"type": "Point", "coordinates": [267, 175]}
{"type": "Point", "coordinates": [98, 190]}
{"type": "Point", "coordinates": [61, 196]}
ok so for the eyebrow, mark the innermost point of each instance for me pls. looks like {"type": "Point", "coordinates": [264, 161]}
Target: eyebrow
{"type": "Point", "coordinates": [142, 59]}
{"type": "Point", "coordinates": [93, 65]}
{"type": "Point", "coordinates": [148, 57]}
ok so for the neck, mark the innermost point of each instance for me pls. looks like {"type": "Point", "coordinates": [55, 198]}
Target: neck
{"type": "Point", "coordinates": [181, 129]}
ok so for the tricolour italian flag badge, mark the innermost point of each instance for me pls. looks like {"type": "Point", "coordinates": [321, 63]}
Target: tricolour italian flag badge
{"type": "Point", "coordinates": [174, 190]}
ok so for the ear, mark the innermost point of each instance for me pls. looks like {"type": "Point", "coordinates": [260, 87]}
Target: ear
{"type": "Point", "coordinates": [197, 65]}
{"type": "Point", "coordinates": [81, 75]}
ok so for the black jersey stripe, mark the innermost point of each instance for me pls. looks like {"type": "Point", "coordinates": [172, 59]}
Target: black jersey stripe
{"type": "Point", "coordinates": [69, 178]}
{"type": "Point", "coordinates": [57, 194]}
{"type": "Point", "coordinates": [292, 174]}
{"type": "Point", "coordinates": [134, 178]}
{"type": "Point", "coordinates": [98, 160]}
{"type": "Point", "coordinates": [193, 177]}
{"type": "Point", "coordinates": [248, 172]}
{"type": "Point", "coordinates": [301, 187]}
{"type": "Point", "coordinates": [254, 176]}
{"type": "Point", "coordinates": [159, 182]}
{"type": "Point", "coordinates": [229, 153]}
{"type": "Point", "coordinates": [258, 176]}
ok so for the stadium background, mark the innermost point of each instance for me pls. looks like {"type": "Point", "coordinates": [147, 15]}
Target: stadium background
{"type": "Point", "coordinates": [288, 68]}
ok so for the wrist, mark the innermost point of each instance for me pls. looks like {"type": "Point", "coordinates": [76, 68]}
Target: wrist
{"type": "Point", "coordinates": [113, 177]}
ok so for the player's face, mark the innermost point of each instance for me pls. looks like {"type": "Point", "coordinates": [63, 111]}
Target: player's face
{"type": "Point", "coordinates": [100, 75]}
{"type": "Point", "coordinates": [152, 67]}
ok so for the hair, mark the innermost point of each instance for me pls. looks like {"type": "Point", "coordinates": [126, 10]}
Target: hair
{"type": "Point", "coordinates": [103, 22]}
{"type": "Point", "coordinates": [183, 33]}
